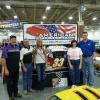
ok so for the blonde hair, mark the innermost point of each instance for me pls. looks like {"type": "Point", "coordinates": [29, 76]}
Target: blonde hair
{"type": "Point", "coordinates": [38, 46]}
{"type": "Point", "coordinates": [37, 43]}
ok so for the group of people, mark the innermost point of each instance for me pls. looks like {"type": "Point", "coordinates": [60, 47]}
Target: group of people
{"type": "Point", "coordinates": [28, 56]}
{"type": "Point", "coordinates": [80, 57]}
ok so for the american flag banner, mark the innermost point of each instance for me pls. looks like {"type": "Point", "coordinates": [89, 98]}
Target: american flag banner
{"type": "Point", "coordinates": [67, 29]}
{"type": "Point", "coordinates": [54, 33]}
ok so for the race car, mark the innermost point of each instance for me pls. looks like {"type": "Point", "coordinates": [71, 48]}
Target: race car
{"type": "Point", "coordinates": [78, 93]}
{"type": "Point", "coordinates": [56, 56]}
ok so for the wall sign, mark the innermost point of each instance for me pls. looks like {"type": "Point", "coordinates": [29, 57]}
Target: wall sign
{"type": "Point", "coordinates": [12, 24]}
{"type": "Point", "coordinates": [51, 33]}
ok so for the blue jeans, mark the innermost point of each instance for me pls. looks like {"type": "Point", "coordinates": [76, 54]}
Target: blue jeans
{"type": "Point", "coordinates": [88, 71]}
{"type": "Point", "coordinates": [75, 72]}
{"type": "Point", "coordinates": [40, 68]}
{"type": "Point", "coordinates": [27, 77]}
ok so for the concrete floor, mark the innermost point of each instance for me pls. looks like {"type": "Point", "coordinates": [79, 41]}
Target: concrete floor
{"type": "Point", "coordinates": [38, 95]}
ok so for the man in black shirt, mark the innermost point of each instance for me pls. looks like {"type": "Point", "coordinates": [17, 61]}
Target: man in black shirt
{"type": "Point", "coordinates": [11, 55]}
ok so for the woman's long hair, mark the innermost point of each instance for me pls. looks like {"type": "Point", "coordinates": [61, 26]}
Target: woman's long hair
{"type": "Point", "coordinates": [38, 41]}
{"type": "Point", "coordinates": [37, 47]}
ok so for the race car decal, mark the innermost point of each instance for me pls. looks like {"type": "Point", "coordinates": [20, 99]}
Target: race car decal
{"type": "Point", "coordinates": [58, 62]}
{"type": "Point", "coordinates": [81, 95]}
{"type": "Point", "coordinates": [92, 92]}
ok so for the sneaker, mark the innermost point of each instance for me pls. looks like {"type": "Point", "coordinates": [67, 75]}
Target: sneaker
{"type": "Point", "coordinates": [92, 87]}
{"type": "Point", "coordinates": [25, 92]}
{"type": "Point", "coordinates": [73, 86]}
{"type": "Point", "coordinates": [31, 90]}
{"type": "Point", "coordinates": [11, 98]}
{"type": "Point", "coordinates": [18, 96]}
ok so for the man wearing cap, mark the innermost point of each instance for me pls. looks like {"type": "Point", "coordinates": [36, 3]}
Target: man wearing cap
{"type": "Point", "coordinates": [88, 49]}
{"type": "Point", "coordinates": [11, 55]}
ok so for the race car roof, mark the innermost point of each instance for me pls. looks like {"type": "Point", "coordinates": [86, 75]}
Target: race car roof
{"type": "Point", "coordinates": [57, 48]}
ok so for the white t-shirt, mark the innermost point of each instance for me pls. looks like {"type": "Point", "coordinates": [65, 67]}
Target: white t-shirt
{"type": "Point", "coordinates": [25, 51]}
{"type": "Point", "coordinates": [40, 57]}
{"type": "Point", "coordinates": [74, 53]}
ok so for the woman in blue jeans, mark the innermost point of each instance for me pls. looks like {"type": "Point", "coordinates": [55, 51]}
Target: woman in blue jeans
{"type": "Point", "coordinates": [40, 62]}
{"type": "Point", "coordinates": [75, 63]}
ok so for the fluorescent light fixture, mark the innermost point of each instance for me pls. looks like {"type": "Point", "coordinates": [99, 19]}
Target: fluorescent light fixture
{"type": "Point", "coordinates": [41, 22]}
{"type": "Point", "coordinates": [15, 17]}
{"type": "Point", "coordinates": [62, 22]}
{"type": "Point", "coordinates": [92, 30]}
{"type": "Point", "coordinates": [94, 18]}
{"type": "Point", "coordinates": [44, 17]}
{"type": "Point", "coordinates": [8, 6]}
{"type": "Point", "coordinates": [48, 8]}
{"type": "Point", "coordinates": [83, 8]}
{"type": "Point", "coordinates": [70, 17]}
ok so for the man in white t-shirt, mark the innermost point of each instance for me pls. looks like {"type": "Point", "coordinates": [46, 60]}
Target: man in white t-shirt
{"type": "Point", "coordinates": [26, 62]}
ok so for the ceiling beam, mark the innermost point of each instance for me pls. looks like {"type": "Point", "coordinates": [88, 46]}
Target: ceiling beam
{"type": "Point", "coordinates": [5, 13]}
{"type": "Point", "coordinates": [1, 18]}
{"type": "Point", "coordinates": [90, 14]}
{"type": "Point", "coordinates": [62, 15]}
{"type": "Point", "coordinates": [72, 14]}
{"type": "Point", "coordinates": [53, 15]}
{"type": "Point", "coordinates": [88, 19]}
{"type": "Point", "coordinates": [31, 3]}
{"type": "Point", "coordinates": [34, 13]}
{"type": "Point", "coordinates": [25, 14]}
{"type": "Point", "coordinates": [97, 1]}
{"type": "Point", "coordinates": [92, 6]}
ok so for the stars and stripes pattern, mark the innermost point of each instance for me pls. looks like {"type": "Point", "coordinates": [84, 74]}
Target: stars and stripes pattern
{"type": "Point", "coordinates": [68, 29]}
{"type": "Point", "coordinates": [52, 29]}
{"type": "Point", "coordinates": [61, 29]}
